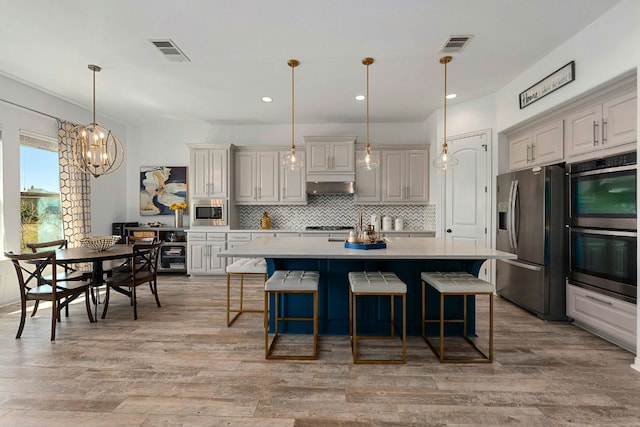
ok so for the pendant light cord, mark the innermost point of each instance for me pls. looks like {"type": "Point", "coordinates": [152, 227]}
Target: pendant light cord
{"type": "Point", "coordinates": [368, 144]}
{"type": "Point", "coordinates": [293, 63]}
{"type": "Point", "coordinates": [444, 144]}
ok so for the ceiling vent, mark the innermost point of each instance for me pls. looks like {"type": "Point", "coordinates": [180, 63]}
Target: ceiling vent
{"type": "Point", "coordinates": [455, 44]}
{"type": "Point", "coordinates": [170, 50]}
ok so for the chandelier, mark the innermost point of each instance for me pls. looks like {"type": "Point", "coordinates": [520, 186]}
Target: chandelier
{"type": "Point", "coordinates": [292, 161]}
{"type": "Point", "coordinates": [96, 150]}
{"type": "Point", "coordinates": [445, 160]}
{"type": "Point", "coordinates": [365, 160]}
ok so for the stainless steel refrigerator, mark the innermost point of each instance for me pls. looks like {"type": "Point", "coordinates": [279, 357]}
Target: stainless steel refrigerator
{"type": "Point", "coordinates": [532, 214]}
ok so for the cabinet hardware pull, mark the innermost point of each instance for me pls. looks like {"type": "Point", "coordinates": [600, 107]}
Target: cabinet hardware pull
{"type": "Point", "coordinates": [595, 133]}
{"type": "Point", "coordinates": [598, 300]}
{"type": "Point", "coordinates": [533, 152]}
{"type": "Point", "coordinates": [604, 133]}
{"type": "Point", "coordinates": [528, 148]}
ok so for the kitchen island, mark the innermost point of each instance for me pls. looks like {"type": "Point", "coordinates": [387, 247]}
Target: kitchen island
{"type": "Point", "coordinates": [407, 257]}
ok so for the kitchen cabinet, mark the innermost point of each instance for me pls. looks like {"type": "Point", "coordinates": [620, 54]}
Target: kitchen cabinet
{"type": "Point", "coordinates": [540, 145]}
{"type": "Point", "coordinates": [208, 172]}
{"type": "Point", "coordinates": [369, 182]}
{"type": "Point", "coordinates": [256, 177]}
{"type": "Point", "coordinates": [202, 253]}
{"type": "Point", "coordinates": [603, 125]}
{"type": "Point", "coordinates": [293, 188]}
{"type": "Point", "coordinates": [330, 155]}
{"type": "Point", "coordinates": [405, 176]}
{"type": "Point", "coordinates": [609, 318]}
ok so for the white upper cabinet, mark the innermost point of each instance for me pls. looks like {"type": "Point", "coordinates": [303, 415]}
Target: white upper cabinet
{"type": "Point", "coordinates": [330, 158]}
{"type": "Point", "coordinates": [293, 189]}
{"type": "Point", "coordinates": [405, 176]}
{"type": "Point", "coordinates": [603, 125]}
{"type": "Point", "coordinates": [540, 145]}
{"type": "Point", "coordinates": [369, 182]}
{"type": "Point", "coordinates": [256, 177]}
{"type": "Point", "coordinates": [208, 172]}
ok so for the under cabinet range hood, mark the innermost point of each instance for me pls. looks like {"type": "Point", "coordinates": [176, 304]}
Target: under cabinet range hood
{"type": "Point", "coordinates": [333, 187]}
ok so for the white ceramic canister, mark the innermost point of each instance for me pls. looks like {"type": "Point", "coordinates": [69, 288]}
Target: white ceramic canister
{"type": "Point", "coordinates": [376, 221]}
{"type": "Point", "coordinates": [399, 225]}
{"type": "Point", "coordinates": [387, 223]}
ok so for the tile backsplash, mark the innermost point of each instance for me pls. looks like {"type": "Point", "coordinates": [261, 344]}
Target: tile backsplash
{"type": "Point", "coordinates": [335, 210]}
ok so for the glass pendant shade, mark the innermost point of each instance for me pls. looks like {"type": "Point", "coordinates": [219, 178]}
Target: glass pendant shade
{"type": "Point", "coordinates": [366, 160]}
{"type": "Point", "coordinates": [445, 160]}
{"type": "Point", "coordinates": [96, 150]}
{"type": "Point", "coordinates": [292, 161]}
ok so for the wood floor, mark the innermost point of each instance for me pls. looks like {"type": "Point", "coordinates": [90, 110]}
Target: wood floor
{"type": "Point", "coordinates": [179, 365]}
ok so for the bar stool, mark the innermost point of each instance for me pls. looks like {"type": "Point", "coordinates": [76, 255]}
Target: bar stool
{"type": "Point", "coordinates": [375, 283]}
{"type": "Point", "coordinates": [290, 282]}
{"type": "Point", "coordinates": [456, 283]}
{"type": "Point", "coordinates": [241, 267]}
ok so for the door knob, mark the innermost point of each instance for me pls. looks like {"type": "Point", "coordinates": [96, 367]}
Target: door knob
{"type": "Point", "coordinates": [448, 230]}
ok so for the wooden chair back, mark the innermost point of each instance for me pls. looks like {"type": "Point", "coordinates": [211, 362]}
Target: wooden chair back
{"type": "Point", "coordinates": [34, 286]}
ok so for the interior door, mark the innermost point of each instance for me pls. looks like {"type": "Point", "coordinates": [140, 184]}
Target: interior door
{"type": "Point", "coordinates": [466, 191]}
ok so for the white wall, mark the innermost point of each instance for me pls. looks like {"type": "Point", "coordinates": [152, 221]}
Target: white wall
{"type": "Point", "coordinates": [602, 51]}
{"type": "Point", "coordinates": [105, 202]}
{"type": "Point", "coordinates": [164, 145]}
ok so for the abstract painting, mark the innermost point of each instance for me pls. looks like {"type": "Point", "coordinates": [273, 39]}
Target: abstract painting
{"type": "Point", "coordinates": [160, 186]}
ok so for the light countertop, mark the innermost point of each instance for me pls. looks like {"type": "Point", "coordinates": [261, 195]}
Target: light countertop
{"type": "Point", "coordinates": [224, 229]}
{"type": "Point", "coordinates": [397, 248]}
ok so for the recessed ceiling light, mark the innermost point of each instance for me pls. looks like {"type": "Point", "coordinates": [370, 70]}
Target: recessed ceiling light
{"type": "Point", "coordinates": [360, 98]}
{"type": "Point", "coordinates": [452, 95]}
{"type": "Point", "coordinates": [267, 99]}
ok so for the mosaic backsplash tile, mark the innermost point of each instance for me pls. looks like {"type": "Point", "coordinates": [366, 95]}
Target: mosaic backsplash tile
{"type": "Point", "coordinates": [335, 210]}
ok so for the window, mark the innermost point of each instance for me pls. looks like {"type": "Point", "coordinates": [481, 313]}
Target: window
{"type": "Point", "coordinates": [40, 213]}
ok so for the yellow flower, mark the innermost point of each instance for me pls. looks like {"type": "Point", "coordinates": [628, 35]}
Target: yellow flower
{"type": "Point", "coordinates": [178, 206]}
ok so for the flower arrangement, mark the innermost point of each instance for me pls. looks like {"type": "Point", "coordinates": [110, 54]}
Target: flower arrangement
{"type": "Point", "coordinates": [178, 206]}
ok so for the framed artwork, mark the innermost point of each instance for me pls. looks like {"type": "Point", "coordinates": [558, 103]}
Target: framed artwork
{"type": "Point", "coordinates": [554, 81]}
{"type": "Point", "coordinates": [160, 186]}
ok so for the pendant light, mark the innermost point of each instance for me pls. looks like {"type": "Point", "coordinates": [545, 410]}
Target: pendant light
{"type": "Point", "coordinates": [293, 161]}
{"type": "Point", "coordinates": [365, 160]}
{"type": "Point", "coordinates": [96, 150]}
{"type": "Point", "coordinates": [445, 160]}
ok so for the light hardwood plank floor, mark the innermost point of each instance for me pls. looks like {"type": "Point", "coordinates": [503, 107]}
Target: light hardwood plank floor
{"type": "Point", "coordinates": [179, 365]}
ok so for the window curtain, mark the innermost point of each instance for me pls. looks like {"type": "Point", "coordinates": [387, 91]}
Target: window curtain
{"type": "Point", "coordinates": [75, 189]}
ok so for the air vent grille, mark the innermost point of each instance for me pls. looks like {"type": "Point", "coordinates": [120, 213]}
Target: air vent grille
{"type": "Point", "coordinates": [455, 44]}
{"type": "Point", "coordinates": [170, 50]}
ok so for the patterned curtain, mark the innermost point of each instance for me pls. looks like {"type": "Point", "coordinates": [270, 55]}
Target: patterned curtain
{"type": "Point", "coordinates": [75, 190]}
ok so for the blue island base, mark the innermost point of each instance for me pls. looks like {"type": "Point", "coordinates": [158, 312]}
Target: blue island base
{"type": "Point", "coordinates": [373, 312]}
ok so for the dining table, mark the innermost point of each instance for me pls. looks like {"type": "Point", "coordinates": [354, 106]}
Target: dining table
{"type": "Point", "coordinates": [96, 258]}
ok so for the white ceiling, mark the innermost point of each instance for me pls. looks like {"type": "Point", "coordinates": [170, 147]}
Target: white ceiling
{"type": "Point", "coordinates": [239, 51]}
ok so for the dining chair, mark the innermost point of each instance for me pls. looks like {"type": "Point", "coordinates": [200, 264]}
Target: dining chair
{"type": "Point", "coordinates": [126, 265]}
{"type": "Point", "coordinates": [66, 272]}
{"type": "Point", "coordinates": [30, 269]}
{"type": "Point", "coordinates": [144, 269]}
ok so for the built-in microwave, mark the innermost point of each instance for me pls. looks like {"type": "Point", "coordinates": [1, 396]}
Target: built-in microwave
{"type": "Point", "coordinates": [208, 212]}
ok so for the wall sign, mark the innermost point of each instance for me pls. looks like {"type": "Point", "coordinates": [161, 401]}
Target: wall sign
{"type": "Point", "coordinates": [544, 87]}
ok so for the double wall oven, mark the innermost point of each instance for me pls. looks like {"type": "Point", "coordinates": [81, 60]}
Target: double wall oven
{"type": "Point", "coordinates": [603, 225]}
